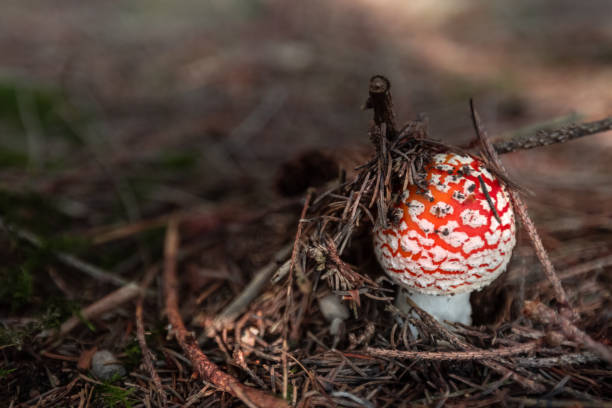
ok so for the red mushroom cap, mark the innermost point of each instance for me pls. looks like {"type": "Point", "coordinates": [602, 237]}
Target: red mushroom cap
{"type": "Point", "coordinates": [453, 238]}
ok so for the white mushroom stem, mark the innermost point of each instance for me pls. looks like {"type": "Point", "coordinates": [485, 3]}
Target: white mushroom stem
{"type": "Point", "coordinates": [450, 308]}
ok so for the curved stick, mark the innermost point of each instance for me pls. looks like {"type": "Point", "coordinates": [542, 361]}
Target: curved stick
{"type": "Point", "coordinates": [207, 370]}
{"type": "Point", "coordinates": [521, 209]}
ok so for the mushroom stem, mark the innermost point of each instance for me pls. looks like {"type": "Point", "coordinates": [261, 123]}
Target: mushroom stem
{"type": "Point", "coordinates": [450, 308]}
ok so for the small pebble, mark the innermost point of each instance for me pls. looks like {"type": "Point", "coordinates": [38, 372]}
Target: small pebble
{"type": "Point", "coordinates": [334, 312]}
{"type": "Point", "coordinates": [332, 308]}
{"type": "Point", "coordinates": [105, 366]}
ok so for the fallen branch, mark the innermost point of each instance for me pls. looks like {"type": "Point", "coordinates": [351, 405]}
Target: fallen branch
{"type": "Point", "coordinates": [207, 370]}
{"type": "Point", "coordinates": [454, 355]}
{"type": "Point", "coordinates": [548, 137]}
{"type": "Point", "coordinates": [540, 312]}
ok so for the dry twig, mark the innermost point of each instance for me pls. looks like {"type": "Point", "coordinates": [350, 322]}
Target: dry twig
{"type": "Point", "coordinates": [454, 355]}
{"type": "Point", "coordinates": [147, 355]}
{"type": "Point", "coordinates": [548, 137]}
{"type": "Point", "coordinates": [289, 298]}
{"type": "Point", "coordinates": [521, 209]}
{"type": "Point", "coordinates": [381, 102]}
{"type": "Point", "coordinates": [542, 313]}
{"type": "Point", "coordinates": [562, 360]}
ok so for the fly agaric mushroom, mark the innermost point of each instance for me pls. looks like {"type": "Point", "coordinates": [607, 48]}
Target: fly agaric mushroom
{"type": "Point", "coordinates": [454, 238]}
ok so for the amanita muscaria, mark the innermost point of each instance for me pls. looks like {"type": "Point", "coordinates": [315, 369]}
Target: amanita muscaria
{"type": "Point", "coordinates": [454, 238]}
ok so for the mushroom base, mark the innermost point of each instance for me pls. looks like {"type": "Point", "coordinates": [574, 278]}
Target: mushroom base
{"type": "Point", "coordinates": [450, 308]}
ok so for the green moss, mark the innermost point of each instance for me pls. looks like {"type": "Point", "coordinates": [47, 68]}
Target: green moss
{"type": "Point", "coordinates": [84, 320]}
{"type": "Point", "coordinates": [289, 393]}
{"type": "Point", "coordinates": [4, 372]}
{"type": "Point", "coordinates": [18, 336]}
{"type": "Point", "coordinates": [11, 158]}
{"type": "Point", "coordinates": [32, 211]}
{"type": "Point", "coordinates": [9, 337]}
{"type": "Point", "coordinates": [67, 243]}
{"type": "Point", "coordinates": [114, 254]}
{"type": "Point", "coordinates": [44, 103]}
{"type": "Point", "coordinates": [113, 396]}
{"type": "Point", "coordinates": [177, 160]}
{"type": "Point", "coordinates": [16, 286]}
{"type": "Point", "coordinates": [133, 355]}
{"type": "Point", "coordinates": [154, 238]}
{"type": "Point", "coordinates": [57, 310]}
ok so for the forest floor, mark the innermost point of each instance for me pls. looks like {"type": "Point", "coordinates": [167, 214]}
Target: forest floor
{"type": "Point", "coordinates": [138, 141]}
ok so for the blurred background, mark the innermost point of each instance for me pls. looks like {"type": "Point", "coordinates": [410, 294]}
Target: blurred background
{"type": "Point", "coordinates": [115, 114]}
{"type": "Point", "coordinates": [191, 102]}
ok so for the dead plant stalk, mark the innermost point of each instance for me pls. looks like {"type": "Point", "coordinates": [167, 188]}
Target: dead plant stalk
{"type": "Point", "coordinates": [521, 209]}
